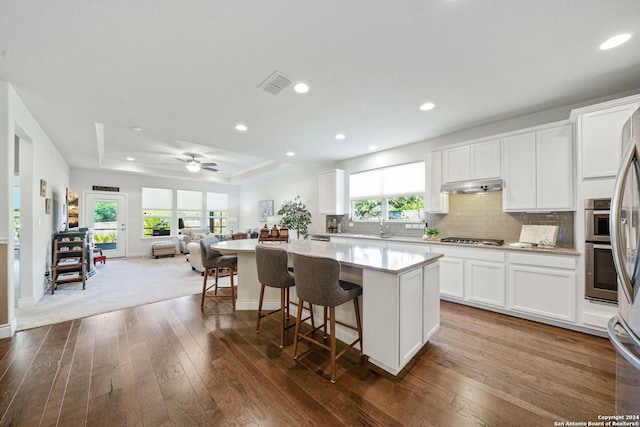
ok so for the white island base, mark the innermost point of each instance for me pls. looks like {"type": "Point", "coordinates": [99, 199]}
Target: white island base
{"type": "Point", "coordinates": [400, 300]}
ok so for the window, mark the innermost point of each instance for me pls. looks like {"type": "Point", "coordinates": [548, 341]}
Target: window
{"type": "Point", "coordinates": [190, 209]}
{"type": "Point", "coordinates": [157, 206]}
{"type": "Point", "coordinates": [391, 193]}
{"type": "Point", "coordinates": [217, 207]}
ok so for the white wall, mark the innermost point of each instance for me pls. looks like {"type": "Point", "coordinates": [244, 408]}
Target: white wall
{"type": "Point", "coordinates": [83, 180]}
{"type": "Point", "coordinates": [38, 160]}
{"type": "Point", "coordinates": [303, 184]}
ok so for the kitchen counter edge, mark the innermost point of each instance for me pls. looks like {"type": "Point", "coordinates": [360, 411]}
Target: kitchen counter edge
{"type": "Point", "coordinates": [407, 239]}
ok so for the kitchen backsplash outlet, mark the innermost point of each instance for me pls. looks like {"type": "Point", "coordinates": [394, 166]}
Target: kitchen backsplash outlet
{"type": "Point", "coordinates": [474, 215]}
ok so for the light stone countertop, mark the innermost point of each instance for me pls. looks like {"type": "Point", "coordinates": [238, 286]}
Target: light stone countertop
{"type": "Point", "coordinates": [407, 239]}
{"type": "Point", "coordinates": [394, 261]}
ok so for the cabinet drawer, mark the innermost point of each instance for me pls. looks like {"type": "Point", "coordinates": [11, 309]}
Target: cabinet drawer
{"type": "Point", "coordinates": [541, 260]}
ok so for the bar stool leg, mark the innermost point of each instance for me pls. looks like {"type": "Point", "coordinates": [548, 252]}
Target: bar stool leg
{"type": "Point", "coordinates": [233, 290]}
{"type": "Point", "coordinates": [260, 308]}
{"type": "Point", "coordinates": [283, 297]}
{"type": "Point", "coordinates": [204, 286]}
{"type": "Point", "coordinates": [332, 323]}
{"type": "Point", "coordinates": [297, 330]}
{"type": "Point", "coordinates": [356, 306]}
{"type": "Point", "coordinates": [215, 288]}
{"type": "Point", "coordinates": [325, 324]}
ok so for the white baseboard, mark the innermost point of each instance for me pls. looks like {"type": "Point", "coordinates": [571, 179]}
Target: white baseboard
{"type": "Point", "coordinates": [8, 329]}
{"type": "Point", "coordinates": [27, 302]}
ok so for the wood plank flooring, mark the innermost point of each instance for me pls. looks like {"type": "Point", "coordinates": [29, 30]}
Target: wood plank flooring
{"type": "Point", "coordinates": [170, 363]}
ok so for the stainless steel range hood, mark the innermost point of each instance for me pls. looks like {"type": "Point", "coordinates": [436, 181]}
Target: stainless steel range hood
{"type": "Point", "coordinates": [472, 187]}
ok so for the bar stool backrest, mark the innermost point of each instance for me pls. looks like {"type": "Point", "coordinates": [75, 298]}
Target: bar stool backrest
{"type": "Point", "coordinates": [271, 264]}
{"type": "Point", "coordinates": [207, 253]}
{"type": "Point", "coordinates": [318, 280]}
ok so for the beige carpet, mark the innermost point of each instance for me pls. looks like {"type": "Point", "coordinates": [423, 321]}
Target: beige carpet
{"type": "Point", "coordinates": [117, 284]}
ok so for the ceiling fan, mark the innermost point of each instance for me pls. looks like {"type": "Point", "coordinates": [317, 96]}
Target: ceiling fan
{"type": "Point", "coordinates": [194, 165]}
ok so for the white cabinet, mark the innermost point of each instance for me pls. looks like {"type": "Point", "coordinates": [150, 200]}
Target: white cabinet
{"type": "Point", "coordinates": [436, 201]}
{"type": "Point", "coordinates": [331, 192]}
{"type": "Point", "coordinates": [411, 306]}
{"type": "Point", "coordinates": [475, 161]}
{"type": "Point", "coordinates": [538, 170]}
{"type": "Point", "coordinates": [600, 138]}
{"type": "Point", "coordinates": [412, 314]}
{"type": "Point", "coordinates": [451, 276]}
{"type": "Point", "coordinates": [486, 281]}
{"type": "Point", "coordinates": [543, 285]}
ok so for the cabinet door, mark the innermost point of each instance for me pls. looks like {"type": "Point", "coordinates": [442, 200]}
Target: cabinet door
{"type": "Point", "coordinates": [485, 160]}
{"type": "Point", "coordinates": [331, 192]}
{"type": "Point", "coordinates": [600, 134]}
{"type": "Point", "coordinates": [545, 292]}
{"type": "Point", "coordinates": [486, 282]}
{"type": "Point", "coordinates": [437, 202]}
{"type": "Point", "coordinates": [554, 154]}
{"type": "Point", "coordinates": [431, 301]}
{"type": "Point", "coordinates": [410, 327]}
{"type": "Point", "coordinates": [519, 192]}
{"type": "Point", "coordinates": [455, 164]}
{"type": "Point", "coordinates": [452, 277]}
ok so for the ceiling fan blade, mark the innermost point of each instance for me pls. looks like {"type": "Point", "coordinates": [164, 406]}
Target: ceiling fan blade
{"type": "Point", "coordinates": [182, 160]}
{"type": "Point", "coordinates": [208, 164]}
{"type": "Point", "coordinates": [208, 168]}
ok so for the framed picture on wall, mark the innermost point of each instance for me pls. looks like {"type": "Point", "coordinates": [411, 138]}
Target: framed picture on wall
{"type": "Point", "coordinates": [47, 206]}
{"type": "Point", "coordinates": [265, 209]}
{"type": "Point", "coordinates": [43, 188]}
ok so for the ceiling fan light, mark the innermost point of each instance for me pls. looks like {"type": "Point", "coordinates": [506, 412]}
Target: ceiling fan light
{"type": "Point", "coordinates": [193, 166]}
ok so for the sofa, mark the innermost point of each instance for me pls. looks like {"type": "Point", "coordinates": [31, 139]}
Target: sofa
{"type": "Point", "coordinates": [188, 235]}
{"type": "Point", "coordinates": [195, 259]}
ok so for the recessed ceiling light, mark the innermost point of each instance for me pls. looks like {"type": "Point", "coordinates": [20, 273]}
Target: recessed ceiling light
{"type": "Point", "coordinates": [290, 153]}
{"type": "Point", "coordinates": [427, 106]}
{"type": "Point", "coordinates": [301, 88]}
{"type": "Point", "coordinates": [615, 41]}
{"type": "Point", "coordinates": [241, 127]}
{"type": "Point", "coordinates": [373, 147]}
{"type": "Point", "coordinates": [340, 136]}
{"type": "Point", "coordinates": [131, 159]}
{"type": "Point", "coordinates": [137, 128]}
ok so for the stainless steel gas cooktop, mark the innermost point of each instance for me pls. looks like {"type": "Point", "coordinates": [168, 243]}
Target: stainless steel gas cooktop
{"type": "Point", "coordinates": [472, 241]}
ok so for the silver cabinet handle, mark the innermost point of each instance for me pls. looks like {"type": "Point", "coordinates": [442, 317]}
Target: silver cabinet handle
{"type": "Point", "coordinates": [630, 159]}
{"type": "Point", "coordinates": [615, 340]}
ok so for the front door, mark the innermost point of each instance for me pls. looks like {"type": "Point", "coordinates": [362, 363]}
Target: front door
{"type": "Point", "coordinates": [106, 214]}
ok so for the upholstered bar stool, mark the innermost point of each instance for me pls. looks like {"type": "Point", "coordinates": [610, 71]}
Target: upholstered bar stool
{"type": "Point", "coordinates": [318, 282]}
{"type": "Point", "coordinates": [214, 261]}
{"type": "Point", "coordinates": [271, 264]}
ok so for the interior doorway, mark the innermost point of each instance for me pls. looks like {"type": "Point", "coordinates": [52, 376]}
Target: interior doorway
{"type": "Point", "coordinates": [107, 214]}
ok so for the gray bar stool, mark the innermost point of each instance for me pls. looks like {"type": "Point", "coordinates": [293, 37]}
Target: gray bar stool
{"type": "Point", "coordinates": [213, 260]}
{"type": "Point", "coordinates": [271, 264]}
{"type": "Point", "coordinates": [318, 282]}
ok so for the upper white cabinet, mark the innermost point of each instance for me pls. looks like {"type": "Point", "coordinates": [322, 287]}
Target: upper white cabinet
{"type": "Point", "coordinates": [538, 170]}
{"type": "Point", "coordinates": [436, 201]}
{"type": "Point", "coordinates": [600, 138]}
{"type": "Point", "coordinates": [331, 192]}
{"type": "Point", "coordinates": [471, 162]}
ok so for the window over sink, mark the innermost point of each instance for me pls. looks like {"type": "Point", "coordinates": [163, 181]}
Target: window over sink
{"type": "Point", "coordinates": [394, 193]}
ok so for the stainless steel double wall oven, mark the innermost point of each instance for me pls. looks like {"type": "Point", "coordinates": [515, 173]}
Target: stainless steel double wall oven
{"type": "Point", "coordinates": [601, 283]}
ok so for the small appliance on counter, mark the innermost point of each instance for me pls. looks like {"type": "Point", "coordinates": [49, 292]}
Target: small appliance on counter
{"type": "Point", "coordinates": [472, 241]}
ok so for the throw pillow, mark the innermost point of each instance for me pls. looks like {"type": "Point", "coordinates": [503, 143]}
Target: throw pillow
{"type": "Point", "coordinates": [197, 236]}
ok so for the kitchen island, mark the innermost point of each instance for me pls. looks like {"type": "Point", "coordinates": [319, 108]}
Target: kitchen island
{"type": "Point", "coordinates": [400, 298]}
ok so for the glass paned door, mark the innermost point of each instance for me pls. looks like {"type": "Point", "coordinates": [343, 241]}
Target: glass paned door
{"type": "Point", "coordinates": [106, 214]}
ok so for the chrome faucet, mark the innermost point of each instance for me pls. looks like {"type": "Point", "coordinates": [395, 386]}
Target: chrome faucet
{"type": "Point", "coordinates": [384, 229]}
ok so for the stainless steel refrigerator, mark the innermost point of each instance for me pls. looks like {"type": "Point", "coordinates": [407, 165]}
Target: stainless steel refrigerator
{"type": "Point", "coordinates": [624, 224]}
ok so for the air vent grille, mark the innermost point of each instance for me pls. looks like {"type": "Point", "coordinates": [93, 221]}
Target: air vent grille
{"type": "Point", "coordinates": [275, 83]}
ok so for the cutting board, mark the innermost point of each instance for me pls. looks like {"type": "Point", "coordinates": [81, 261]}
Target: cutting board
{"type": "Point", "coordinates": [537, 233]}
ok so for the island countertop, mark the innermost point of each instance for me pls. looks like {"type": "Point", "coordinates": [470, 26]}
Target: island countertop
{"type": "Point", "coordinates": [361, 255]}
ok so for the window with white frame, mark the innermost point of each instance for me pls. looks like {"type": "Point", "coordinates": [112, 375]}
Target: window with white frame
{"type": "Point", "coordinates": [217, 209]}
{"type": "Point", "coordinates": [391, 193]}
{"type": "Point", "coordinates": [157, 207]}
{"type": "Point", "coordinates": [190, 208]}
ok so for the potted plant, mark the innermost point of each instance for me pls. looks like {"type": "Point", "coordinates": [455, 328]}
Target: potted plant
{"type": "Point", "coordinates": [296, 216]}
{"type": "Point", "coordinates": [431, 233]}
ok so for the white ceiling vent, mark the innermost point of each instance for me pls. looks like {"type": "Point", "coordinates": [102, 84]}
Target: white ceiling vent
{"type": "Point", "coordinates": [275, 83]}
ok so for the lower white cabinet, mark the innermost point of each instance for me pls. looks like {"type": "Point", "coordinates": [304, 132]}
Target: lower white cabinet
{"type": "Point", "coordinates": [452, 276]}
{"type": "Point", "coordinates": [544, 285]}
{"type": "Point", "coordinates": [411, 304]}
{"type": "Point", "coordinates": [486, 282]}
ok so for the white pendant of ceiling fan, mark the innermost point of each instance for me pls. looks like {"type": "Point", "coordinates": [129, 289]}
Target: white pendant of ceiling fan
{"type": "Point", "coordinates": [194, 165]}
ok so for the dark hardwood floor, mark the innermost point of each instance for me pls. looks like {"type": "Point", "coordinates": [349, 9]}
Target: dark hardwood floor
{"type": "Point", "coordinates": [171, 364]}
